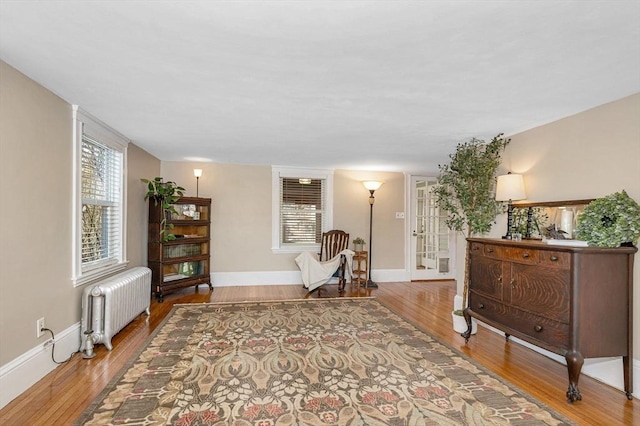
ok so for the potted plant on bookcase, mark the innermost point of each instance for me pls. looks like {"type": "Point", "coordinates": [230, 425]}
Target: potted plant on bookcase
{"type": "Point", "coordinates": [465, 192]}
{"type": "Point", "coordinates": [166, 193]}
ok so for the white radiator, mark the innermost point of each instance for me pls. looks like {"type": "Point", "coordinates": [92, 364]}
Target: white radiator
{"type": "Point", "coordinates": [108, 306]}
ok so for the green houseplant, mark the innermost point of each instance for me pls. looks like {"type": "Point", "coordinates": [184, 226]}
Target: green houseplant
{"type": "Point", "coordinates": [165, 193]}
{"type": "Point", "coordinates": [611, 221]}
{"type": "Point", "coordinates": [358, 244]}
{"type": "Point", "coordinates": [465, 191]}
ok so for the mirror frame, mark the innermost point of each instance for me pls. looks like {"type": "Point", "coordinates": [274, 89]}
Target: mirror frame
{"type": "Point", "coordinates": [578, 205]}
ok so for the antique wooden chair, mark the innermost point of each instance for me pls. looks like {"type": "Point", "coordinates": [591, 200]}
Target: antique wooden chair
{"type": "Point", "coordinates": [333, 242]}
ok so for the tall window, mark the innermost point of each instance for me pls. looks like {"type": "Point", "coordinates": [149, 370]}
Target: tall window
{"type": "Point", "coordinates": [100, 155]}
{"type": "Point", "coordinates": [302, 208]}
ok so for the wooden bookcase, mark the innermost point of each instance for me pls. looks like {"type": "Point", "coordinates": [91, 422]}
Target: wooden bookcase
{"type": "Point", "coordinates": [185, 261]}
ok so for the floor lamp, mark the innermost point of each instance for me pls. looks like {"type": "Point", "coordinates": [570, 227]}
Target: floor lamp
{"type": "Point", "coordinates": [197, 173]}
{"type": "Point", "coordinates": [510, 187]}
{"type": "Point", "coordinates": [372, 186]}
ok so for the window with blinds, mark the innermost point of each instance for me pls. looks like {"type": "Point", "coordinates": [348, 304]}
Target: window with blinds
{"type": "Point", "coordinates": [101, 197]}
{"type": "Point", "coordinates": [302, 210]}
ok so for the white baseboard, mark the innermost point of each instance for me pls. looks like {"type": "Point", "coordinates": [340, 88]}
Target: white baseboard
{"type": "Point", "coordinates": [23, 372]}
{"type": "Point", "coordinates": [606, 370]}
{"type": "Point", "coordinates": [240, 279]}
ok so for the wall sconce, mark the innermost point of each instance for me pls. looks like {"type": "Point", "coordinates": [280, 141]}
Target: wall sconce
{"type": "Point", "coordinates": [372, 186]}
{"type": "Point", "coordinates": [197, 173]}
{"type": "Point", "coordinates": [510, 187]}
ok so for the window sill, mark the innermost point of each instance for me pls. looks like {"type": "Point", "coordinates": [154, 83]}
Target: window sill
{"type": "Point", "coordinates": [99, 273]}
{"type": "Point", "coordinates": [295, 249]}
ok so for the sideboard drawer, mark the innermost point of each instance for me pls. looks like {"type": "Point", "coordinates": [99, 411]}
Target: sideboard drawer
{"type": "Point", "coordinates": [555, 258]}
{"type": "Point", "coordinates": [519, 254]}
{"type": "Point", "coordinates": [551, 333]}
{"type": "Point", "coordinates": [488, 308]}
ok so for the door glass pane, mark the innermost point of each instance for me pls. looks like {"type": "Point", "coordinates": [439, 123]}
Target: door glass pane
{"type": "Point", "coordinates": [431, 232]}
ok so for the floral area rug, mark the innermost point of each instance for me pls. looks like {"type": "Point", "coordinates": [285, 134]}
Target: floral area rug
{"type": "Point", "coordinates": [305, 362]}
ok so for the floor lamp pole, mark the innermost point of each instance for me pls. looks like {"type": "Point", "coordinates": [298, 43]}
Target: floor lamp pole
{"type": "Point", "coordinates": [370, 283]}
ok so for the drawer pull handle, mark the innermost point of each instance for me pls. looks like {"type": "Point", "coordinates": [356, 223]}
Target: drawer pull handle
{"type": "Point", "coordinates": [525, 255]}
{"type": "Point", "coordinates": [476, 248]}
{"type": "Point", "coordinates": [512, 282]}
{"type": "Point", "coordinates": [481, 306]}
{"type": "Point", "coordinates": [500, 279]}
{"type": "Point", "coordinates": [490, 250]}
{"type": "Point", "coordinates": [554, 258]}
{"type": "Point", "coordinates": [538, 328]}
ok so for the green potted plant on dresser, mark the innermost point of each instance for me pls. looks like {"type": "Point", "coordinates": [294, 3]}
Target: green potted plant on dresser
{"type": "Point", "coordinates": [465, 192]}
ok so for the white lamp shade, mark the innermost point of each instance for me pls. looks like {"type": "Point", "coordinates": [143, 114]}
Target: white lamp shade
{"type": "Point", "coordinates": [372, 185]}
{"type": "Point", "coordinates": [197, 172]}
{"type": "Point", "coordinates": [510, 187]}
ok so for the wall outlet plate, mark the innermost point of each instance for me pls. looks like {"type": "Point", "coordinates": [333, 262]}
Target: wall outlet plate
{"type": "Point", "coordinates": [39, 327]}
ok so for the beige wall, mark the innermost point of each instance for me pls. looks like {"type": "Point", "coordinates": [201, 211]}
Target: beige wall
{"type": "Point", "coordinates": [241, 214]}
{"type": "Point", "coordinates": [140, 164]}
{"type": "Point", "coordinates": [587, 155]}
{"type": "Point", "coordinates": [36, 154]}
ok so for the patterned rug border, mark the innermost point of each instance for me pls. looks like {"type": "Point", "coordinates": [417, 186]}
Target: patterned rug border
{"type": "Point", "coordinates": [86, 414]}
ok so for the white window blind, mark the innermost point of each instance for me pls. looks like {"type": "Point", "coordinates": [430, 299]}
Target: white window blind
{"type": "Point", "coordinates": [302, 210]}
{"type": "Point", "coordinates": [101, 209]}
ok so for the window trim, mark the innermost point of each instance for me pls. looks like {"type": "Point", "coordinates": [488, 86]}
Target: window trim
{"type": "Point", "coordinates": [85, 123]}
{"type": "Point", "coordinates": [295, 172]}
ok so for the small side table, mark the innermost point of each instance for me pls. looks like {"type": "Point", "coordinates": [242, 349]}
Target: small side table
{"type": "Point", "coordinates": [360, 270]}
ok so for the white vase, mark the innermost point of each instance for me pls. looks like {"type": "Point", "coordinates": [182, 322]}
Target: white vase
{"type": "Point", "coordinates": [460, 325]}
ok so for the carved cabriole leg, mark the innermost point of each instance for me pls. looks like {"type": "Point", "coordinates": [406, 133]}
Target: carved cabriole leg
{"type": "Point", "coordinates": [467, 318]}
{"type": "Point", "coordinates": [574, 366]}
{"type": "Point", "coordinates": [628, 377]}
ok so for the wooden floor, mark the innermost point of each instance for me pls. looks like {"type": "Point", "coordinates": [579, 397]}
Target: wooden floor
{"type": "Point", "coordinates": [60, 397]}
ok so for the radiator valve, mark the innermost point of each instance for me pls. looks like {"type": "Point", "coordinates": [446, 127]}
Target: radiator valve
{"type": "Point", "coordinates": [88, 347]}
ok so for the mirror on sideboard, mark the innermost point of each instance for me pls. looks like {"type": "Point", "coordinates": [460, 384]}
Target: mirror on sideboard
{"type": "Point", "coordinates": [550, 219]}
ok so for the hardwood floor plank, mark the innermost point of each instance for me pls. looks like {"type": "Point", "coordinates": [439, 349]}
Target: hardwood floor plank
{"type": "Point", "coordinates": [61, 396]}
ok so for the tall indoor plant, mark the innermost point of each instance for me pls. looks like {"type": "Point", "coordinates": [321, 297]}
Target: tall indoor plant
{"type": "Point", "coordinates": [166, 193]}
{"type": "Point", "coordinates": [466, 191]}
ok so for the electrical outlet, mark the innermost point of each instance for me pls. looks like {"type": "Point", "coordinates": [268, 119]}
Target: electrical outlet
{"type": "Point", "coordinates": [40, 327]}
{"type": "Point", "coordinates": [48, 343]}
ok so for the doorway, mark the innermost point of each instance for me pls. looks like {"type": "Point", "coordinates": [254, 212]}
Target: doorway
{"type": "Point", "coordinates": [431, 242]}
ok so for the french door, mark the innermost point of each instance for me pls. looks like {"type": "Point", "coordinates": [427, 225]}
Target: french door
{"type": "Point", "coordinates": [432, 244]}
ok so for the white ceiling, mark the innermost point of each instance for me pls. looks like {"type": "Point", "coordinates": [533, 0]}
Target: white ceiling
{"type": "Point", "coordinates": [377, 85]}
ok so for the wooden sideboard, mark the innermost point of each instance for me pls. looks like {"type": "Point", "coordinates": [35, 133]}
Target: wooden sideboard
{"type": "Point", "coordinates": [573, 301]}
